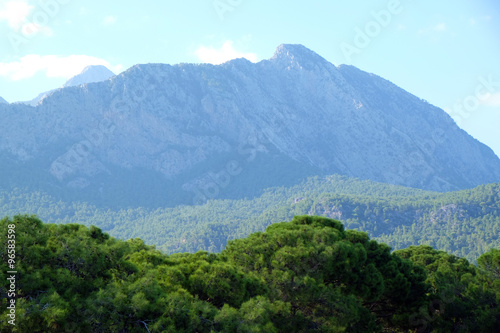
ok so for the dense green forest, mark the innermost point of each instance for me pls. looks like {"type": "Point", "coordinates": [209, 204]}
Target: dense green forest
{"type": "Point", "coordinates": [465, 223]}
{"type": "Point", "coordinates": [307, 275]}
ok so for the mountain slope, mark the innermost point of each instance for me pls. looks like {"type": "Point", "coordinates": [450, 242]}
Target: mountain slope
{"type": "Point", "coordinates": [3, 101]}
{"type": "Point", "coordinates": [160, 135]}
{"type": "Point", "coordinates": [466, 223]}
{"type": "Point", "coordinates": [90, 74]}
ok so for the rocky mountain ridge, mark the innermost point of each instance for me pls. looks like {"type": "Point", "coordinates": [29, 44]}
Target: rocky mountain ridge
{"type": "Point", "coordinates": [192, 132]}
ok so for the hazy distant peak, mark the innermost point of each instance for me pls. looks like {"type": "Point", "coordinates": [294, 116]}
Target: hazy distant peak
{"type": "Point", "coordinates": [3, 101]}
{"type": "Point", "coordinates": [90, 74]}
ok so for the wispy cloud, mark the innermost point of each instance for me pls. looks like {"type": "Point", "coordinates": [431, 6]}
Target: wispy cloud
{"type": "Point", "coordinates": [52, 65]}
{"type": "Point", "coordinates": [209, 54]}
{"type": "Point", "coordinates": [491, 100]}
{"type": "Point", "coordinates": [109, 20]}
{"type": "Point", "coordinates": [473, 21]}
{"type": "Point", "coordinates": [439, 27]}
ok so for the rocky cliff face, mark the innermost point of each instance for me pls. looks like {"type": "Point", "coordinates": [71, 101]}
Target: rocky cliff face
{"type": "Point", "coordinates": [192, 132]}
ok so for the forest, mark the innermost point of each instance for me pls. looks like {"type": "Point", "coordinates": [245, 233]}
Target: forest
{"type": "Point", "coordinates": [307, 275]}
{"type": "Point", "coordinates": [464, 223]}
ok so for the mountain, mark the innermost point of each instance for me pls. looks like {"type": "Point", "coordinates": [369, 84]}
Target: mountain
{"type": "Point", "coordinates": [158, 135]}
{"type": "Point", "coordinates": [3, 101]}
{"type": "Point", "coordinates": [39, 98]}
{"type": "Point", "coordinates": [90, 74]}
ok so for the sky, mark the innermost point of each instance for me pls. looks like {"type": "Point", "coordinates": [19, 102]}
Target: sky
{"type": "Point", "coordinates": [446, 52]}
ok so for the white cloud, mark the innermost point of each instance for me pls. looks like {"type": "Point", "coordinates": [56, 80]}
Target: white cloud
{"type": "Point", "coordinates": [491, 100]}
{"type": "Point", "coordinates": [52, 65]}
{"type": "Point", "coordinates": [109, 20]}
{"type": "Point", "coordinates": [227, 52]}
{"type": "Point", "coordinates": [440, 27]}
{"type": "Point", "coordinates": [15, 13]}
{"type": "Point", "coordinates": [473, 21]}
{"type": "Point", "coordinates": [430, 31]}
{"type": "Point", "coordinates": [33, 28]}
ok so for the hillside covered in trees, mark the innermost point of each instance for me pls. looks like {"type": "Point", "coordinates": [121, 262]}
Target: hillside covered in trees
{"type": "Point", "coordinates": [465, 223]}
{"type": "Point", "coordinates": [307, 275]}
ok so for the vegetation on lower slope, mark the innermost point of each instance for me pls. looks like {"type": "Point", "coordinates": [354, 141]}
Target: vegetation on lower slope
{"type": "Point", "coordinates": [307, 275]}
{"type": "Point", "coordinates": [465, 223]}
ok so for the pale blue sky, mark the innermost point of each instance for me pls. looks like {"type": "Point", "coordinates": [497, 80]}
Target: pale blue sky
{"type": "Point", "coordinates": [446, 52]}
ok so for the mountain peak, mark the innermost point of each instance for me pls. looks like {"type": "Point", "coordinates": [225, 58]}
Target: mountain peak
{"type": "Point", "coordinates": [298, 56]}
{"type": "Point", "coordinates": [293, 50]}
{"type": "Point", "coordinates": [297, 52]}
{"type": "Point", "coordinates": [90, 74]}
{"type": "Point", "coordinates": [3, 101]}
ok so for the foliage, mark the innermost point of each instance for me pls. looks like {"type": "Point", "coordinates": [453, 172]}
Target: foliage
{"type": "Point", "coordinates": [465, 223]}
{"type": "Point", "coordinates": [306, 275]}
{"type": "Point", "coordinates": [464, 297]}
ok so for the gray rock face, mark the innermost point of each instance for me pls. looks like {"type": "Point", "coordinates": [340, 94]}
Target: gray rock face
{"type": "Point", "coordinates": [208, 131]}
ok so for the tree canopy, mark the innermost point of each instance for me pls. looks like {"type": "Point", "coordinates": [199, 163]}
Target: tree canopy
{"type": "Point", "coordinates": [307, 275]}
{"type": "Point", "coordinates": [464, 223]}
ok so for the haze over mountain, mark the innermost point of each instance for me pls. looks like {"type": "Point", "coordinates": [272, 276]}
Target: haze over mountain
{"type": "Point", "coordinates": [3, 101]}
{"type": "Point", "coordinates": [90, 74]}
{"type": "Point", "coordinates": [158, 134]}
